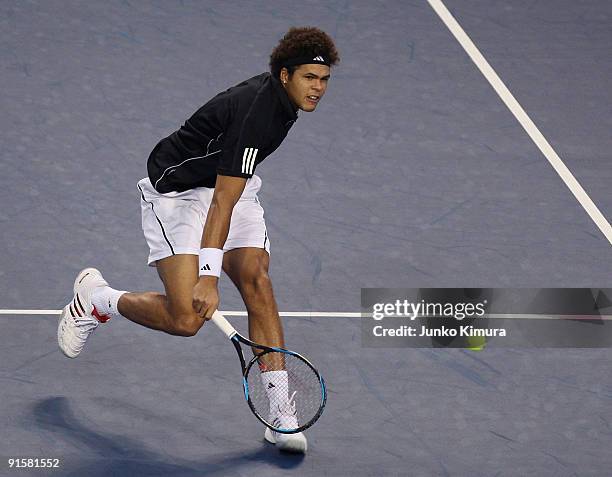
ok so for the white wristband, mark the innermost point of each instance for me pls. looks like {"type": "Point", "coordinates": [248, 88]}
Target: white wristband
{"type": "Point", "coordinates": [211, 260]}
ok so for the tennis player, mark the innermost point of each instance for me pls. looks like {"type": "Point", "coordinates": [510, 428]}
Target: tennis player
{"type": "Point", "coordinates": [201, 214]}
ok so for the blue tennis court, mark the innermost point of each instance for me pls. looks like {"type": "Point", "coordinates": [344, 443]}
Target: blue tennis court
{"type": "Point", "coordinates": [411, 173]}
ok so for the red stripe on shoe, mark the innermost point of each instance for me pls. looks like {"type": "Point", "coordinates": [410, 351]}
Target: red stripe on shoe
{"type": "Point", "coordinates": [99, 317]}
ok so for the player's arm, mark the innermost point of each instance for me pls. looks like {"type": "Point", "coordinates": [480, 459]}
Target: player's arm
{"type": "Point", "coordinates": [237, 164]}
{"type": "Point", "coordinates": [228, 190]}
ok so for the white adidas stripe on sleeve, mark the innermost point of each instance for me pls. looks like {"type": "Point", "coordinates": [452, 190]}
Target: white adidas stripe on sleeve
{"type": "Point", "coordinates": [253, 156]}
{"type": "Point", "coordinates": [245, 159]}
{"type": "Point", "coordinates": [248, 160]}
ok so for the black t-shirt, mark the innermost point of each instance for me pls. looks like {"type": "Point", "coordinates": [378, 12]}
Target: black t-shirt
{"type": "Point", "coordinates": [230, 135]}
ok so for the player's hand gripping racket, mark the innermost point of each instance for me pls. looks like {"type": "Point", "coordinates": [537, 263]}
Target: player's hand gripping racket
{"type": "Point", "coordinates": [282, 388]}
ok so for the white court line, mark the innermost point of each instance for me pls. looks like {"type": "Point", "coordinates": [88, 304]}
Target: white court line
{"type": "Point", "coordinates": [30, 312]}
{"type": "Point", "coordinates": [343, 314]}
{"type": "Point", "coordinates": [307, 314]}
{"type": "Point", "coordinates": [522, 117]}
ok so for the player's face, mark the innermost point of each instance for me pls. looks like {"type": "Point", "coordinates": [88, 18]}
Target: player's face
{"type": "Point", "coordinates": [306, 86]}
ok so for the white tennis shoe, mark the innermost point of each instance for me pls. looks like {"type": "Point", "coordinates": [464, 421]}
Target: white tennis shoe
{"type": "Point", "coordinates": [294, 443]}
{"type": "Point", "coordinates": [285, 416]}
{"type": "Point", "coordinates": [79, 318]}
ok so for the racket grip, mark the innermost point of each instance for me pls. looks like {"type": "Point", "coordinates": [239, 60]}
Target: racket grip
{"type": "Point", "coordinates": [224, 325]}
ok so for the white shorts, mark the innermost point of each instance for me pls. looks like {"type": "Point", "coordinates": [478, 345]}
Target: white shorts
{"type": "Point", "coordinates": [173, 223]}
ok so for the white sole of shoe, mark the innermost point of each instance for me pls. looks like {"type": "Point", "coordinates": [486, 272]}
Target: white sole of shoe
{"type": "Point", "coordinates": [297, 445]}
{"type": "Point", "coordinates": [60, 335]}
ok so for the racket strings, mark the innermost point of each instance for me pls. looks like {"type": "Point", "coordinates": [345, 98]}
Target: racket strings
{"type": "Point", "coordinates": [287, 408]}
{"type": "Point", "coordinates": [284, 390]}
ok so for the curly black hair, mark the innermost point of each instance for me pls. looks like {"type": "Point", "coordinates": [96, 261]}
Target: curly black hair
{"type": "Point", "coordinates": [302, 42]}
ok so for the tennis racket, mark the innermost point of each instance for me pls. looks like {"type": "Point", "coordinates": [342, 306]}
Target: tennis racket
{"type": "Point", "coordinates": [299, 393]}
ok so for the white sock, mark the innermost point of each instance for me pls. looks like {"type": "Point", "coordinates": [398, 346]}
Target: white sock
{"type": "Point", "coordinates": [276, 384]}
{"type": "Point", "coordinates": [105, 299]}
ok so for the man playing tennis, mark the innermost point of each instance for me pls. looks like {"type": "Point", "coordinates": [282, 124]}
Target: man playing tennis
{"type": "Point", "coordinates": [201, 214]}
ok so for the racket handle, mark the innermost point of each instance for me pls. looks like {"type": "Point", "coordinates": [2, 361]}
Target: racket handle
{"type": "Point", "coordinates": [224, 325]}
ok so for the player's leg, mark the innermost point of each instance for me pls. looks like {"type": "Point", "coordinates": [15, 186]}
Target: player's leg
{"type": "Point", "coordinates": [173, 228]}
{"type": "Point", "coordinates": [246, 262]}
{"type": "Point", "coordinates": [248, 269]}
{"type": "Point", "coordinates": [172, 312]}
{"type": "Point", "coordinates": [95, 302]}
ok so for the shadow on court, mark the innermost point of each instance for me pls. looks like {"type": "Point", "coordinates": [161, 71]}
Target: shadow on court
{"type": "Point", "coordinates": [122, 456]}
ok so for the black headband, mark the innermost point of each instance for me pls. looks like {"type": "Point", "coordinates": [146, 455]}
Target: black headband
{"type": "Point", "coordinates": [307, 60]}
